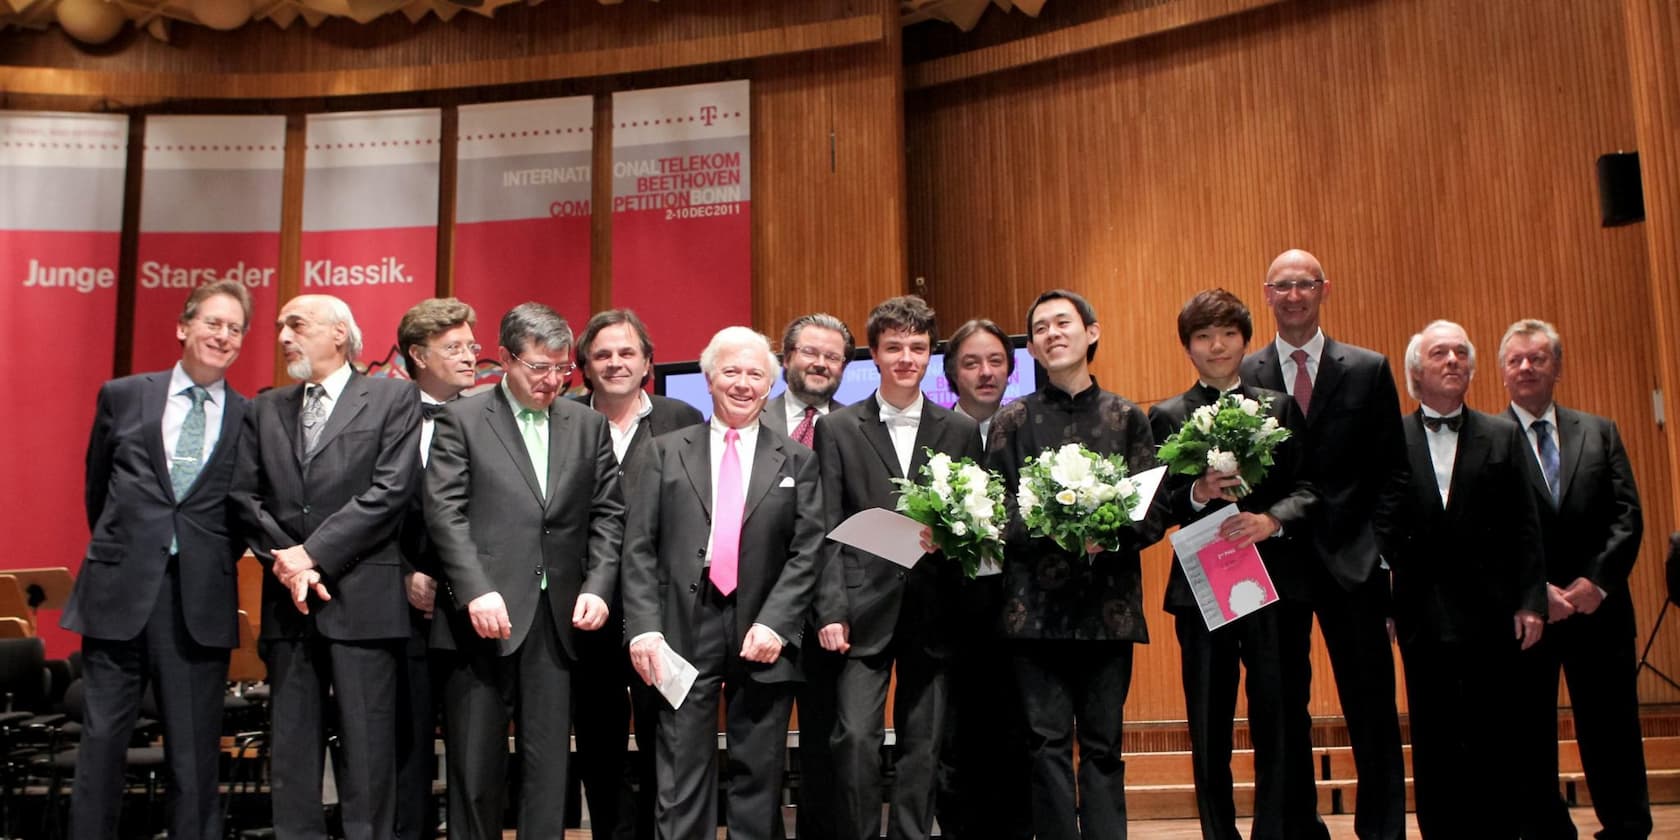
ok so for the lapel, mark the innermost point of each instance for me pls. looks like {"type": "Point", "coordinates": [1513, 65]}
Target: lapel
{"type": "Point", "coordinates": [880, 440]}
{"type": "Point", "coordinates": [1472, 451]}
{"type": "Point", "coordinates": [291, 406]}
{"type": "Point", "coordinates": [1423, 466]}
{"type": "Point", "coordinates": [1536, 476]}
{"type": "Point", "coordinates": [696, 457]}
{"type": "Point", "coordinates": [152, 399]}
{"type": "Point", "coordinates": [556, 427]}
{"type": "Point", "coordinates": [928, 433]}
{"type": "Point", "coordinates": [1270, 374]}
{"type": "Point", "coordinates": [1331, 365]}
{"type": "Point", "coordinates": [1571, 444]}
{"type": "Point", "coordinates": [767, 466]}
{"type": "Point", "coordinates": [499, 413]}
{"type": "Point", "coordinates": [350, 403]}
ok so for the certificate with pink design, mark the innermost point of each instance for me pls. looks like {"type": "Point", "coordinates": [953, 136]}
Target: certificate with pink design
{"type": "Point", "coordinates": [1229, 582]}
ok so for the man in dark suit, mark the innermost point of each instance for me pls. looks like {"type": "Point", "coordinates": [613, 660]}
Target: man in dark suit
{"type": "Point", "coordinates": [615, 354]}
{"type": "Point", "coordinates": [815, 350]}
{"type": "Point", "coordinates": [1070, 619]}
{"type": "Point", "coordinates": [1463, 536]}
{"type": "Point", "coordinates": [1274, 644]}
{"type": "Point", "coordinates": [1355, 447]}
{"type": "Point", "coordinates": [1591, 525]}
{"type": "Point", "coordinates": [524, 508]}
{"type": "Point", "coordinates": [157, 598]}
{"type": "Point", "coordinates": [884, 615]}
{"type": "Point", "coordinates": [719, 562]}
{"type": "Point", "coordinates": [327, 469]}
{"type": "Point", "coordinates": [436, 337]}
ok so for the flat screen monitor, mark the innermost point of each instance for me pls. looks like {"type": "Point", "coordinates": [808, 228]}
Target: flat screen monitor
{"type": "Point", "coordinates": [683, 380]}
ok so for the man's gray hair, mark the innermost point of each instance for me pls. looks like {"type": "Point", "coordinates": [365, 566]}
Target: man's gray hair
{"type": "Point", "coordinates": [1414, 351]}
{"type": "Point", "coordinates": [735, 338]}
{"type": "Point", "coordinates": [339, 313]}
{"type": "Point", "coordinates": [1533, 326]}
{"type": "Point", "coordinates": [533, 323]}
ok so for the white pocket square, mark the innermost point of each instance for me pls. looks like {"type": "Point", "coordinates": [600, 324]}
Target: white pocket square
{"type": "Point", "coordinates": [787, 481]}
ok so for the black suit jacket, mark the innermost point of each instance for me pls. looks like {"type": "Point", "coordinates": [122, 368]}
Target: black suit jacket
{"type": "Point", "coordinates": [669, 528]}
{"type": "Point", "coordinates": [1462, 571]}
{"type": "Point", "coordinates": [495, 531]}
{"type": "Point", "coordinates": [874, 596]}
{"type": "Point", "coordinates": [1595, 529]}
{"type": "Point", "coordinates": [133, 513]}
{"type": "Point", "coordinates": [668, 415]}
{"type": "Point", "coordinates": [1285, 493]}
{"type": "Point", "coordinates": [1354, 448]}
{"type": "Point", "coordinates": [344, 504]}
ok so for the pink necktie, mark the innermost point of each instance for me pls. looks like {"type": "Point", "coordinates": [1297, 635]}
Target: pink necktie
{"type": "Point", "coordinates": [1303, 381]}
{"type": "Point", "coordinates": [803, 432]}
{"type": "Point", "coordinates": [726, 516]}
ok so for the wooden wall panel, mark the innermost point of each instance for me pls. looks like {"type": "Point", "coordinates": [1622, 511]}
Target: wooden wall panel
{"type": "Point", "coordinates": [1437, 155]}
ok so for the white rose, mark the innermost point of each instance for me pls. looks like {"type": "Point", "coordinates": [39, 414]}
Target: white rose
{"type": "Point", "coordinates": [1067, 497]}
{"type": "Point", "coordinates": [941, 488]}
{"type": "Point", "coordinates": [1071, 469]}
{"type": "Point", "coordinates": [1103, 493]}
{"type": "Point", "coordinates": [1250, 407]}
{"type": "Point", "coordinates": [1271, 425]}
{"type": "Point", "coordinates": [977, 506]}
{"type": "Point", "coordinates": [959, 528]}
{"type": "Point", "coordinates": [940, 466]}
{"type": "Point", "coordinates": [1222, 461]}
{"type": "Point", "coordinates": [989, 530]}
{"type": "Point", "coordinates": [975, 477]}
{"type": "Point", "coordinates": [1025, 498]}
{"type": "Point", "coordinates": [1202, 419]}
{"type": "Point", "coordinates": [1125, 488]}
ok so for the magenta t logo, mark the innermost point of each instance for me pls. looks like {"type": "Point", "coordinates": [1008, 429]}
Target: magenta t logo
{"type": "Point", "coordinates": [708, 114]}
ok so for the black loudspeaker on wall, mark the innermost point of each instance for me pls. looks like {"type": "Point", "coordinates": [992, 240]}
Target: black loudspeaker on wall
{"type": "Point", "coordinates": [1621, 197]}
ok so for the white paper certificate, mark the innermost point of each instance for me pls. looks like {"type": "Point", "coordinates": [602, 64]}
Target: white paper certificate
{"type": "Point", "coordinates": [1147, 482]}
{"type": "Point", "coordinates": [884, 533]}
{"type": "Point", "coordinates": [676, 675]}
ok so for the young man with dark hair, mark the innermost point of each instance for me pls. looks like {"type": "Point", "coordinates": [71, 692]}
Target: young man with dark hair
{"type": "Point", "coordinates": [1072, 618]}
{"type": "Point", "coordinates": [1273, 644]}
{"type": "Point", "coordinates": [872, 611]}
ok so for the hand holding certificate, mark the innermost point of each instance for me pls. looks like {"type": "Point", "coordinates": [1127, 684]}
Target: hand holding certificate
{"type": "Point", "coordinates": [1229, 581]}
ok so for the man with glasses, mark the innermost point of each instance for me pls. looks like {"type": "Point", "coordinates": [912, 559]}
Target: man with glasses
{"type": "Point", "coordinates": [1354, 448]}
{"type": "Point", "coordinates": [436, 337]}
{"type": "Point", "coordinates": [615, 354]}
{"type": "Point", "coordinates": [156, 600]}
{"type": "Point", "coordinates": [524, 508]}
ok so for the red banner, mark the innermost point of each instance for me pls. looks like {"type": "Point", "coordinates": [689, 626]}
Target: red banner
{"type": "Point", "coordinates": [682, 211]}
{"type": "Point", "coordinates": [60, 225]}
{"type": "Point", "coordinates": [522, 214]}
{"type": "Point", "coordinates": [370, 204]}
{"type": "Point", "coordinates": [209, 211]}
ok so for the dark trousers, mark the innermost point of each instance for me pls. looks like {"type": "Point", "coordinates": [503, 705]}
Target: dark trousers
{"type": "Point", "coordinates": [482, 692]}
{"type": "Point", "coordinates": [1596, 654]}
{"type": "Point", "coordinates": [984, 776]}
{"type": "Point", "coordinates": [1075, 689]}
{"type": "Point", "coordinates": [756, 724]}
{"type": "Point", "coordinates": [1462, 700]}
{"type": "Point", "coordinates": [1274, 645]}
{"type": "Point", "coordinates": [1362, 661]}
{"type": "Point", "coordinates": [360, 680]}
{"type": "Point", "coordinates": [618, 783]}
{"type": "Point", "coordinates": [188, 680]}
{"type": "Point", "coordinates": [919, 705]}
{"type": "Point", "coordinates": [817, 816]}
{"type": "Point", "coordinates": [417, 718]}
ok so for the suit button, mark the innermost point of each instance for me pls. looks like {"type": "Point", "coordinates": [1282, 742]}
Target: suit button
{"type": "Point", "coordinates": [306, 508]}
{"type": "Point", "coordinates": [538, 572]}
{"type": "Point", "coordinates": [901, 576]}
{"type": "Point", "coordinates": [545, 532]}
{"type": "Point", "coordinates": [694, 587]}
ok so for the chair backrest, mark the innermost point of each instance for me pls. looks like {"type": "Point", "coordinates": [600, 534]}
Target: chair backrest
{"type": "Point", "coordinates": [23, 673]}
{"type": "Point", "coordinates": [12, 602]}
{"type": "Point", "coordinates": [15, 628]}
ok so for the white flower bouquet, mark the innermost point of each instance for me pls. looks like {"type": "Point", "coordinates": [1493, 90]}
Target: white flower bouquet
{"type": "Point", "coordinates": [1233, 435]}
{"type": "Point", "coordinates": [962, 504]}
{"type": "Point", "coordinates": [1076, 497]}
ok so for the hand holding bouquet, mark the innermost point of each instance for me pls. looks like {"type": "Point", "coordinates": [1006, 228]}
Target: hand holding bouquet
{"type": "Point", "coordinates": [1077, 497]}
{"type": "Point", "coordinates": [962, 505]}
{"type": "Point", "coordinates": [1234, 435]}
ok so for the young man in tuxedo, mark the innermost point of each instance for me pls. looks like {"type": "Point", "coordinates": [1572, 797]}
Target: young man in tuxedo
{"type": "Point", "coordinates": [1354, 448]}
{"type": "Point", "coordinates": [878, 615]}
{"type": "Point", "coordinates": [157, 598]}
{"type": "Point", "coordinates": [436, 337]}
{"type": "Point", "coordinates": [615, 355]}
{"type": "Point", "coordinates": [720, 559]}
{"type": "Point", "coordinates": [1463, 537]}
{"type": "Point", "coordinates": [327, 469]}
{"type": "Point", "coordinates": [1591, 525]}
{"type": "Point", "coordinates": [1274, 644]}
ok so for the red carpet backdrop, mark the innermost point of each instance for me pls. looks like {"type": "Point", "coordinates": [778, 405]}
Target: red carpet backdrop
{"type": "Point", "coordinates": [60, 222]}
{"type": "Point", "coordinates": [370, 208]}
{"type": "Point", "coordinates": [209, 210]}
{"type": "Point", "coordinates": [682, 211]}
{"type": "Point", "coordinates": [522, 209]}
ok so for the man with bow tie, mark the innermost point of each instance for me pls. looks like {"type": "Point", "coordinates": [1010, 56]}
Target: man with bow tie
{"type": "Point", "coordinates": [1463, 537]}
{"type": "Point", "coordinates": [874, 612]}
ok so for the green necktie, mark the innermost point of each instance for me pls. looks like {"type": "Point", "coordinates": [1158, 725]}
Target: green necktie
{"type": "Point", "coordinates": [533, 426]}
{"type": "Point", "coordinates": [189, 450]}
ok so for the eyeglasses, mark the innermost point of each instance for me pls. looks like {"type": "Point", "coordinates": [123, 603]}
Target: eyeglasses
{"type": "Point", "coordinates": [564, 369]}
{"type": "Point", "coordinates": [813, 354]}
{"type": "Point", "coordinates": [1284, 287]}
{"type": "Point", "coordinates": [456, 350]}
{"type": "Point", "coordinates": [216, 325]}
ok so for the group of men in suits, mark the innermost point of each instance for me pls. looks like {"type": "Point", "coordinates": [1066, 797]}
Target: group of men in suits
{"type": "Point", "coordinates": [516, 557]}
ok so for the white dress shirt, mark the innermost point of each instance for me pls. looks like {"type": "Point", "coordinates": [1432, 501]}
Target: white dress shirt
{"type": "Point", "coordinates": [427, 425]}
{"type": "Point", "coordinates": [794, 410]}
{"type": "Point", "coordinates": [621, 437]}
{"type": "Point", "coordinates": [1443, 451]}
{"type": "Point", "coordinates": [1285, 351]}
{"type": "Point", "coordinates": [176, 408]}
{"type": "Point", "coordinates": [1527, 421]}
{"type": "Point", "coordinates": [985, 425]}
{"type": "Point", "coordinates": [902, 424]}
{"type": "Point", "coordinates": [334, 383]}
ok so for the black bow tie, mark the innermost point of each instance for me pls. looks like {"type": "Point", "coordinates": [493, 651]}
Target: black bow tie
{"type": "Point", "coordinates": [1451, 423]}
{"type": "Point", "coordinates": [430, 410]}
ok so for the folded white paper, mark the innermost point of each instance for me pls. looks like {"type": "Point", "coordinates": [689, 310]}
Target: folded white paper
{"type": "Point", "coordinates": [1147, 483]}
{"type": "Point", "coordinates": [884, 533]}
{"type": "Point", "coordinates": [988, 567]}
{"type": "Point", "coordinates": [676, 675]}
